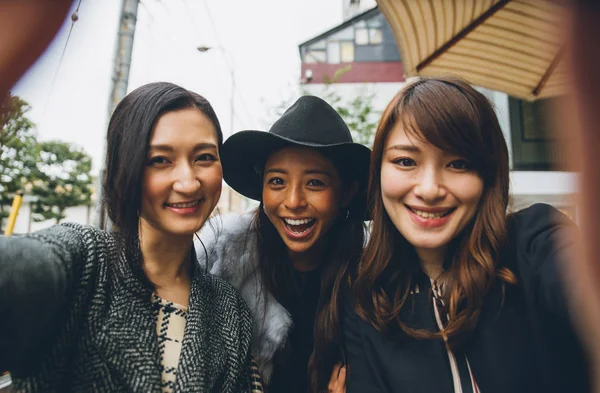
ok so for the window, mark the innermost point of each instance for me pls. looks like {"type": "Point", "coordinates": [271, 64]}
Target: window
{"type": "Point", "coordinates": [346, 34]}
{"type": "Point", "coordinates": [315, 56]}
{"type": "Point", "coordinates": [375, 36]}
{"type": "Point", "coordinates": [347, 52]}
{"type": "Point", "coordinates": [333, 52]}
{"type": "Point", "coordinates": [361, 36]}
{"type": "Point", "coordinates": [368, 32]}
{"type": "Point", "coordinates": [534, 145]}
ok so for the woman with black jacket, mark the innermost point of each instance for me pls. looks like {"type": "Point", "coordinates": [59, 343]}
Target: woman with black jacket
{"type": "Point", "coordinates": [128, 310]}
{"type": "Point", "coordinates": [452, 294]}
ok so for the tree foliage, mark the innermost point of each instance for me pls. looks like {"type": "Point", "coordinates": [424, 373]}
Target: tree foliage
{"type": "Point", "coordinates": [61, 179]}
{"type": "Point", "coordinates": [356, 109]}
{"type": "Point", "coordinates": [17, 150]}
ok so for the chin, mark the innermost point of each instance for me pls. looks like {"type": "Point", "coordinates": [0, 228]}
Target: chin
{"type": "Point", "coordinates": [428, 243]}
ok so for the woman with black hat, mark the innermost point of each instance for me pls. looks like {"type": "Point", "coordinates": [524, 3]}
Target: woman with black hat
{"type": "Point", "coordinates": [288, 258]}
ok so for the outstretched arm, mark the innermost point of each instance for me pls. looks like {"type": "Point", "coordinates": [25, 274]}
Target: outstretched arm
{"type": "Point", "coordinates": [36, 273]}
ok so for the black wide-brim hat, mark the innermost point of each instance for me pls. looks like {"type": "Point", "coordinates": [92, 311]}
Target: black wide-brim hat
{"type": "Point", "coordinates": [310, 122]}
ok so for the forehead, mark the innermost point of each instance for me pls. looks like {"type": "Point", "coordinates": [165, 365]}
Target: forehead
{"type": "Point", "coordinates": [407, 135]}
{"type": "Point", "coordinates": [182, 127]}
{"type": "Point", "coordinates": [299, 158]}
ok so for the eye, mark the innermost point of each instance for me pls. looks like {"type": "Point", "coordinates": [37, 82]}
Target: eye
{"type": "Point", "coordinates": [461, 165]}
{"type": "Point", "coordinates": [405, 162]}
{"type": "Point", "coordinates": [315, 183]}
{"type": "Point", "coordinates": [158, 160]}
{"type": "Point", "coordinates": [275, 181]}
{"type": "Point", "coordinates": [206, 157]}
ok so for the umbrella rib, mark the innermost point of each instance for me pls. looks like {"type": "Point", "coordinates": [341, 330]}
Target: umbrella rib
{"type": "Point", "coordinates": [547, 74]}
{"type": "Point", "coordinates": [481, 19]}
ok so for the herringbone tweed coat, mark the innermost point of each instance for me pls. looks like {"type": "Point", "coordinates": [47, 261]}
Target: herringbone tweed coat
{"type": "Point", "coordinates": [73, 318]}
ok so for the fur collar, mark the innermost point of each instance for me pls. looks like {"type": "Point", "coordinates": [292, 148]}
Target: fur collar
{"type": "Point", "coordinates": [230, 243]}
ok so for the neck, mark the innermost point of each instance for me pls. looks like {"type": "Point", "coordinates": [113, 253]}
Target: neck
{"type": "Point", "coordinates": [165, 259]}
{"type": "Point", "coordinates": [432, 262]}
{"type": "Point", "coordinates": [308, 260]}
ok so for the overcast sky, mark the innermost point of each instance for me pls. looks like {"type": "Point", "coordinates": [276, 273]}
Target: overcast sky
{"type": "Point", "coordinates": [260, 38]}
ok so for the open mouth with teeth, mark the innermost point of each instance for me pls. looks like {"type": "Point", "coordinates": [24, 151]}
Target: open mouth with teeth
{"type": "Point", "coordinates": [431, 215]}
{"type": "Point", "coordinates": [299, 227]}
{"type": "Point", "coordinates": [183, 205]}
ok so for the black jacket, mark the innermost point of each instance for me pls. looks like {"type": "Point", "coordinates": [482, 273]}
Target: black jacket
{"type": "Point", "coordinates": [524, 341]}
{"type": "Point", "coordinates": [75, 319]}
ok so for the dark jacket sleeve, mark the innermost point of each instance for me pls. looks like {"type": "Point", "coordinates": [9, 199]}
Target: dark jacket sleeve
{"type": "Point", "coordinates": [36, 273]}
{"type": "Point", "coordinates": [543, 242]}
{"type": "Point", "coordinates": [359, 375]}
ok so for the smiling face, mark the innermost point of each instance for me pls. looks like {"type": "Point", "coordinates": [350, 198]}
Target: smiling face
{"type": "Point", "coordinates": [182, 180]}
{"type": "Point", "coordinates": [302, 197]}
{"type": "Point", "coordinates": [430, 195]}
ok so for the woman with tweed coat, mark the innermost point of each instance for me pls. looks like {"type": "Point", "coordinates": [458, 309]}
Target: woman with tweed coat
{"type": "Point", "coordinates": [90, 310]}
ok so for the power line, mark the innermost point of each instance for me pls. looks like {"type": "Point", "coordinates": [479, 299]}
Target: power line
{"type": "Point", "coordinates": [74, 18]}
{"type": "Point", "coordinates": [165, 32]}
{"type": "Point", "coordinates": [220, 45]}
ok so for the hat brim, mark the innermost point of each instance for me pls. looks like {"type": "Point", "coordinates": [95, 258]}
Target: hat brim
{"type": "Point", "coordinates": [244, 153]}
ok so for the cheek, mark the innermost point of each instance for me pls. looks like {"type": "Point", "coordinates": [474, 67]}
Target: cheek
{"type": "Point", "coordinates": [153, 185]}
{"type": "Point", "coordinates": [393, 183]}
{"type": "Point", "coordinates": [270, 200]}
{"type": "Point", "coordinates": [212, 179]}
{"type": "Point", "coordinates": [470, 190]}
{"type": "Point", "coordinates": [328, 203]}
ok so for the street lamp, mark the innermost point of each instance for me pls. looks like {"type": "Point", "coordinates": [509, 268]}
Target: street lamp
{"type": "Point", "coordinates": [204, 49]}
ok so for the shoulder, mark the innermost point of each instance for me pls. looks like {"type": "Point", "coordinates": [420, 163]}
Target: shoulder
{"type": "Point", "coordinates": [230, 243]}
{"type": "Point", "coordinates": [537, 220]}
{"type": "Point", "coordinates": [228, 228]}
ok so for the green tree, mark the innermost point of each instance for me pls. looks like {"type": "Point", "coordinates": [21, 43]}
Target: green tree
{"type": "Point", "coordinates": [17, 150]}
{"type": "Point", "coordinates": [61, 179]}
{"type": "Point", "coordinates": [357, 112]}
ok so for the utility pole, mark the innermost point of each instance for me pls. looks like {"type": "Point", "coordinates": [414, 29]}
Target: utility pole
{"type": "Point", "coordinates": [120, 79]}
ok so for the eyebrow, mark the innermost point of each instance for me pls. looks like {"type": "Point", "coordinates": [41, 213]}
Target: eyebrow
{"type": "Point", "coordinates": [409, 148]}
{"type": "Point", "coordinates": [170, 148]}
{"type": "Point", "coordinates": [307, 172]}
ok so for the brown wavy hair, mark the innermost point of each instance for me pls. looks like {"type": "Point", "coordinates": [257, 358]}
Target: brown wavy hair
{"type": "Point", "coordinates": [450, 114]}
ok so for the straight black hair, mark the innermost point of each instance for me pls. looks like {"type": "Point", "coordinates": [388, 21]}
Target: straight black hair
{"type": "Point", "coordinates": [128, 136]}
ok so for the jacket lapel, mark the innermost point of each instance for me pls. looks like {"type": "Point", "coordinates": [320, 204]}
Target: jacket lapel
{"type": "Point", "coordinates": [201, 362]}
{"type": "Point", "coordinates": [129, 344]}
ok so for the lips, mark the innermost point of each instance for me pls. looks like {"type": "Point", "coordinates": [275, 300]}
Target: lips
{"type": "Point", "coordinates": [183, 205]}
{"type": "Point", "coordinates": [185, 208]}
{"type": "Point", "coordinates": [299, 227]}
{"type": "Point", "coordinates": [432, 213]}
{"type": "Point", "coordinates": [430, 218]}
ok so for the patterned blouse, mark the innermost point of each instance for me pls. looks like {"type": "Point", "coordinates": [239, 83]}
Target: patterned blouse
{"type": "Point", "coordinates": [170, 326]}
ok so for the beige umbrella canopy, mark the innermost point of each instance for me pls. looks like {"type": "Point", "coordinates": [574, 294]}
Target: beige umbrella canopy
{"type": "Point", "coordinates": [512, 46]}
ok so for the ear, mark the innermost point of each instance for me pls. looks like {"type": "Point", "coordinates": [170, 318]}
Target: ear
{"type": "Point", "coordinates": [349, 194]}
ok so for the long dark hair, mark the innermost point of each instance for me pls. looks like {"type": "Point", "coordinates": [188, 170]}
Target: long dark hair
{"type": "Point", "coordinates": [345, 241]}
{"type": "Point", "coordinates": [451, 115]}
{"type": "Point", "coordinates": [128, 136]}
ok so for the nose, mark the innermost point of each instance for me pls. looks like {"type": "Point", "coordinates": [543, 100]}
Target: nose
{"type": "Point", "coordinates": [186, 181]}
{"type": "Point", "coordinates": [430, 185]}
{"type": "Point", "coordinates": [295, 198]}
